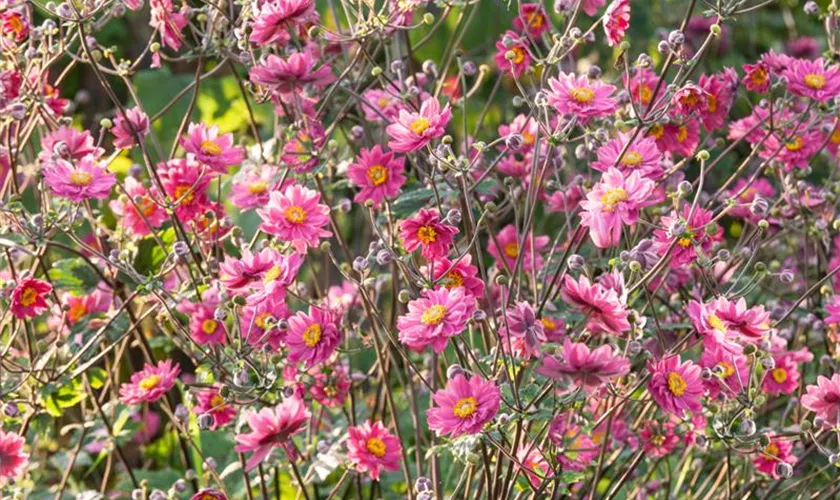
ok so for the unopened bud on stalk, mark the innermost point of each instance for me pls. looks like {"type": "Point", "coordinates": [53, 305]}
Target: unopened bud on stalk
{"type": "Point", "coordinates": [811, 8]}
{"type": "Point", "coordinates": [404, 296]}
{"type": "Point", "coordinates": [453, 371]}
{"type": "Point", "coordinates": [703, 155]}
{"type": "Point", "coordinates": [428, 18]}
{"type": "Point", "coordinates": [576, 262]}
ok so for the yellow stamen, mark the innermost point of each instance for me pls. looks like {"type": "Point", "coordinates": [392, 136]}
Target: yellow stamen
{"type": "Point", "coordinates": [465, 407]}
{"type": "Point", "coordinates": [312, 335]}
{"type": "Point", "coordinates": [676, 384]}
{"type": "Point", "coordinates": [434, 315]}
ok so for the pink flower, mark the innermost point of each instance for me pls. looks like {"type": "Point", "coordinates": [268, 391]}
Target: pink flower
{"type": "Point", "coordinates": [723, 322]}
{"type": "Point", "coordinates": [258, 325]}
{"type": "Point", "coordinates": [534, 464]}
{"type": "Point", "coordinates": [642, 156]}
{"type": "Point", "coordinates": [689, 99]}
{"type": "Point", "coordinates": [300, 153]}
{"type": "Point", "coordinates": [28, 298]}
{"type": "Point", "coordinates": [435, 317]}
{"type": "Point", "coordinates": [642, 85]}
{"type": "Point", "coordinates": [276, 17]}
{"type": "Point", "coordinates": [658, 438]}
{"type": "Point", "coordinates": [331, 384]}
{"type": "Point", "coordinates": [13, 460]}
{"type": "Point", "coordinates": [675, 385]}
{"type": "Point", "coordinates": [590, 7]}
{"type": "Point", "coordinates": [140, 214]}
{"type": "Point", "coordinates": [377, 173]}
{"type": "Point", "coordinates": [720, 94]}
{"type": "Point", "coordinates": [833, 310]}
{"type": "Point", "coordinates": [521, 333]}
{"type": "Point", "coordinates": [602, 306]}
{"type": "Point", "coordinates": [524, 126]}
{"type": "Point", "coordinates": [616, 21]}
{"type": "Point", "coordinates": [813, 79]}
{"type": "Point", "coordinates": [204, 327]}
{"type": "Point", "coordinates": [698, 234]}
{"type": "Point", "coordinates": [211, 402]}
{"type": "Point", "coordinates": [371, 448]}
{"type": "Point", "coordinates": [78, 307]}
{"type": "Point", "coordinates": [677, 138]}
{"type": "Point", "coordinates": [576, 450]}
{"type": "Point", "coordinates": [745, 192]}
{"type": "Point", "coordinates": [291, 74]}
{"type": "Point", "coordinates": [461, 273]}
{"type": "Point", "coordinates": [381, 105]}
{"type": "Point", "coordinates": [505, 249]}
{"type": "Point", "coordinates": [272, 427]}
{"type": "Point", "coordinates": [427, 232]}
{"type": "Point", "coordinates": [129, 127]}
{"type": "Point", "coordinates": [412, 131]}
{"type": "Point", "coordinates": [824, 399]}
{"type": "Point", "coordinates": [531, 17]}
{"type": "Point", "coordinates": [148, 425]}
{"type": "Point", "coordinates": [464, 406]}
{"type": "Point", "coordinates": [185, 182]}
{"type": "Point", "coordinates": [80, 181]}
{"type": "Point", "coordinates": [168, 23]}
{"type": "Point", "coordinates": [67, 143]}
{"type": "Point", "coordinates": [297, 216]}
{"type": "Point", "coordinates": [150, 384]}
{"type": "Point", "coordinates": [209, 494]}
{"type": "Point", "coordinates": [780, 450]}
{"type": "Point", "coordinates": [783, 378]}
{"type": "Point", "coordinates": [312, 337]}
{"type": "Point", "coordinates": [250, 189]}
{"type": "Point", "coordinates": [757, 77]}
{"type": "Point", "coordinates": [518, 46]}
{"type": "Point", "coordinates": [730, 371]}
{"type": "Point", "coordinates": [212, 149]}
{"type": "Point", "coordinates": [587, 369]}
{"type": "Point", "coordinates": [613, 203]}
{"type": "Point", "coordinates": [10, 81]}
{"type": "Point", "coordinates": [14, 24]}
{"type": "Point", "coordinates": [580, 97]}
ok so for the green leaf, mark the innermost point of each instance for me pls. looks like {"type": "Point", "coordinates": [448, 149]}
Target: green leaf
{"type": "Point", "coordinates": [149, 253]}
{"type": "Point", "coordinates": [74, 275]}
{"type": "Point", "coordinates": [58, 398]}
{"type": "Point", "coordinates": [410, 202]}
{"type": "Point", "coordinates": [97, 377]}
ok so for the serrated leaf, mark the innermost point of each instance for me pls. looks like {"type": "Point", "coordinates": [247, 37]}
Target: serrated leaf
{"type": "Point", "coordinates": [410, 202]}
{"type": "Point", "coordinates": [74, 275]}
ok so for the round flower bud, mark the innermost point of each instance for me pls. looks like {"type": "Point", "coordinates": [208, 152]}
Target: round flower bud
{"type": "Point", "coordinates": [513, 142]}
{"type": "Point", "coordinates": [428, 18]}
{"type": "Point", "coordinates": [383, 257]}
{"type": "Point", "coordinates": [715, 29]}
{"type": "Point", "coordinates": [676, 38]}
{"type": "Point", "coordinates": [664, 47]}
{"type": "Point", "coordinates": [205, 421]}
{"type": "Point", "coordinates": [404, 296]}
{"type": "Point", "coordinates": [747, 427]}
{"type": "Point", "coordinates": [703, 155]}
{"type": "Point", "coordinates": [576, 262]}
{"type": "Point", "coordinates": [594, 72]}
{"type": "Point", "coordinates": [811, 8]}
{"type": "Point", "coordinates": [453, 371]}
{"type": "Point", "coordinates": [784, 470]}
{"type": "Point", "coordinates": [768, 363]}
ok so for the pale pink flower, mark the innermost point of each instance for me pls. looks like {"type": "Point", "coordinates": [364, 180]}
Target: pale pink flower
{"type": "Point", "coordinates": [588, 369]}
{"type": "Point", "coordinates": [616, 21]}
{"type": "Point", "coordinates": [291, 74]}
{"type": "Point", "coordinates": [613, 203]}
{"type": "Point", "coordinates": [13, 460]}
{"type": "Point", "coordinates": [297, 216]}
{"type": "Point", "coordinates": [580, 97]}
{"type": "Point", "coordinates": [824, 399]}
{"type": "Point", "coordinates": [272, 427]}
{"type": "Point", "coordinates": [251, 188]}
{"type": "Point", "coordinates": [603, 307]}
{"type": "Point", "coordinates": [211, 148]}
{"type": "Point", "coordinates": [276, 17]}
{"type": "Point", "coordinates": [80, 181]}
{"type": "Point", "coordinates": [435, 317]}
{"type": "Point", "coordinates": [150, 384]}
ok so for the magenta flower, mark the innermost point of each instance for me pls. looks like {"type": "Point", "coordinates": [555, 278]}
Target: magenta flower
{"type": "Point", "coordinates": [507, 251]}
{"type": "Point", "coordinates": [204, 327]}
{"type": "Point", "coordinates": [531, 18]}
{"type": "Point", "coordinates": [824, 399]}
{"type": "Point", "coordinates": [212, 149]}
{"type": "Point", "coordinates": [675, 385]}
{"type": "Point", "coordinates": [526, 127]}
{"type": "Point", "coordinates": [14, 23]}
{"type": "Point", "coordinates": [780, 450]}
{"type": "Point", "coordinates": [464, 406]}
{"type": "Point", "coordinates": [150, 384]}
{"type": "Point", "coordinates": [689, 99]}
{"type": "Point", "coordinates": [79, 181]}
{"type": "Point", "coordinates": [658, 438]}
{"type": "Point", "coordinates": [677, 138]}
{"type": "Point", "coordinates": [427, 232]}
{"type": "Point", "coordinates": [616, 21]}
{"type": "Point", "coordinates": [185, 182]}
{"type": "Point", "coordinates": [813, 79]}
{"type": "Point", "coordinates": [13, 460]}
{"type": "Point", "coordinates": [382, 105]}
{"type": "Point", "coordinates": [580, 97]}
{"type": "Point", "coordinates": [251, 188]}
{"type": "Point", "coordinates": [461, 273]}
{"type": "Point", "coordinates": [697, 234]}
{"type": "Point", "coordinates": [720, 94]}
{"type": "Point", "coordinates": [576, 450]}
{"type": "Point", "coordinates": [276, 17]}
{"type": "Point", "coordinates": [435, 317]}
{"type": "Point", "coordinates": [534, 464]}
{"type": "Point", "coordinates": [67, 143]}
{"type": "Point", "coordinates": [258, 325]}
{"type": "Point", "coordinates": [730, 371]}
{"type": "Point", "coordinates": [28, 298]}
{"type": "Point", "coordinates": [209, 494]}
{"type": "Point", "coordinates": [757, 77]}
{"type": "Point", "coordinates": [372, 448]}
{"type": "Point", "coordinates": [521, 334]}
{"type": "Point", "coordinates": [642, 156]}
{"type": "Point", "coordinates": [603, 307]}
{"type": "Point", "coordinates": [588, 369]}
{"type": "Point", "coordinates": [518, 46]}
{"type": "Point", "coordinates": [833, 310]}
{"type": "Point", "coordinates": [412, 131]}
{"type": "Point", "coordinates": [783, 378]}
{"type": "Point", "coordinates": [168, 23]}
{"type": "Point", "coordinates": [590, 7]}
{"type": "Point", "coordinates": [379, 174]}
{"type": "Point", "coordinates": [297, 216]}
{"type": "Point", "coordinates": [129, 128]}
{"type": "Point", "coordinates": [331, 384]}
{"type": "Point", "coordinates": [301, 151]}
{"type": "Point", "coordinates": [613, 203]}
{"type": "Point", "coordinates": [141, 216]}
{"type": "Point", "coordinates": [729, 323]}
{"type": "Point", "coordinates": [313, 337]}
{"type": "Point", "coordinates": [271, 427]}
{"type": "Point", "coordinates": [211, 402]}
{"type": "Point", "coordinates": [291, 74]}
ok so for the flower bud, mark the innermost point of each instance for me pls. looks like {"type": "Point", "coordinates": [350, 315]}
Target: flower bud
{"type": "Point", "coordinates": [676, 38]}
{"type": "Point", "coordinates": [576, 262]}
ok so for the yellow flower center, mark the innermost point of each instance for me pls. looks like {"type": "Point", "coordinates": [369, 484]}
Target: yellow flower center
{"type": "Point", "coordinates": [717, 323]}
{"type": "Point", "coordinates": [295, 215]}
{"type": "Point", "coordinates": [676, 384]}
{"type": "Point", "coordinates": [272, 274]}
{"type": "Point", "coordinates": [312, 335]}
{"type": "Point", "coordinates": [612, 198]}
{"type": "Point", "coordinates": [682, 134]}
{"type": "Point", "coordinates": [465, 407]}
{"type": "Point", "coordinates": [512, 250]}
{"type": "Point", "coordinates": [582, 95]}
{"type": "Point", "coordinates": [383, 102]}
{"type": "Point", "coordinates": [184, 193]}
{"type": "Point", "coordinates": [728, 369]}
{"type": "Point", "coordinates": [260, 320]}
{"type": "Point", "coordinates": [658, 440]}
{"type": "Point", "coordinates": [81, 178]}
{"type": "Point", "coordinates": [535, 20]}
{"type": "Point", "coordinates": [518, 55]}
{"type": "Point", "coordinates": [208, 326]}
{"type": "Point", "coordinates": [835, 136]}
{"type": "Point", "coordinates": [454, 280]}
{"type": "Point", "coordinates": [149, 382]}
{"type": "Point", "coordinates": [656, 131]}
{"type": "Point", "coordinates": [548, 323]}
{"type": "Point", "coordinates": [771, 450]}
{"type": "Point", "coordinates": [528, 138]}
{"type": "Point", "coordinates": [77, 311]}
{"type": "Point", "coordinates": [211, 148]}
{"type": "Point", "coordinates": [814, 81]}
{"type": "Point", "coordinates": [759, 77]}
{"type": "Point", "coordinates": [779, 375]}
{"type": "Point", "coordinates": [711, 103]}
{"type": "Point", "coordinates": [631, 159]}
{"type": "Point", "coordinates": [426, 234]}
{"type": "Point", "coordinates": [217, 403]}
{"type": "Point", "coordinates": [258, 187]}
{"type": "Point", "coordinates": [15, 23]}
{"type": "Point", "coordinates": [377, 175]}
{"type": "Point", "coordinates": [645, 94]}
{"type": "Point", "coordinates": [419, 125]}
{"type": "Point", "coordinates": [433, 315]}
{"type": "Point", "coordinates": [28, 297]}
{"type": "Point", "coordinates": [795, 145]}
{"type": "Point", "coordinates": [376, 446]}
